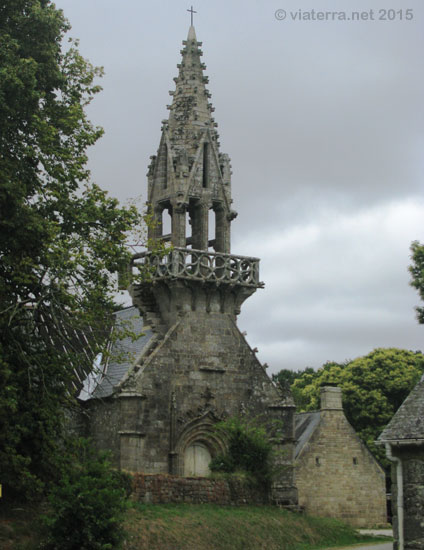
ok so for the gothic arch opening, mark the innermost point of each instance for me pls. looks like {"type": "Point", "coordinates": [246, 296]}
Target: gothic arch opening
{"type": "Point", "coordinates": [197, 445]}
{"type": "Point", "coordinates": [167, 220]}
{"type": "Point", "coordinates": [211, 230]}
{"type": "Point", "coordinates": [188, 225]}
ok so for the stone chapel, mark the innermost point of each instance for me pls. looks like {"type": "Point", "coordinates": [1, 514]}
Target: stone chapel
{"type": "Point", "coordinates": [192, 367]}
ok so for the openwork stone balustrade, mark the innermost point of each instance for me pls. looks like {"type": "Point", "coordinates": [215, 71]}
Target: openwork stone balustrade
{"type": "Point", "coordinates": [199, 265]}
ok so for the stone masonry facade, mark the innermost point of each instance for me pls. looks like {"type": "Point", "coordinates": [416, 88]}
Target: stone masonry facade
{"type": "Point", "coordinates": [336, 475]}
{"type": "Point", "coordinates": [413, 498]}
{"type": "Point", "coordinates": [201, 372]}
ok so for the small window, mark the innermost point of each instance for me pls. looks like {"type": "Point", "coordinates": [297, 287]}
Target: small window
{"type": "Point", "coordinates": [317, 461]}
{"type": "Point", "coordinates": [355, 461]}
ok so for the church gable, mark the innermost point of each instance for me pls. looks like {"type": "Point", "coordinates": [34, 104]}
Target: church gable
{"type": "Point", "coordinates": [203, 368]}
{"type": "Point", "coordinates": [161, 175]}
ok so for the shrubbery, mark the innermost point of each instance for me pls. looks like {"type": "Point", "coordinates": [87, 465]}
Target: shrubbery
{"type": "Point", "coordinates": [87, 505]}
{"type": "Point", "coordinates": [249, 450]}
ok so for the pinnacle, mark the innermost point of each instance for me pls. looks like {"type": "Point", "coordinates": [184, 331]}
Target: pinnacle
{"type": "Point", "coordinates": [191, 33]}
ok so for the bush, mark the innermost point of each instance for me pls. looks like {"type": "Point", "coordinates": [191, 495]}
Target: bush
{"type": "Point", "coordinates": [87, 505]}
{"type": "Point", "coordinates": [249, 450]}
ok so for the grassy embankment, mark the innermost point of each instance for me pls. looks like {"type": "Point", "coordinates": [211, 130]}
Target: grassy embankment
{"type": "Point", "coordinates": [209, 527]}
{"type": "Point", "coordinates": [201, 527]}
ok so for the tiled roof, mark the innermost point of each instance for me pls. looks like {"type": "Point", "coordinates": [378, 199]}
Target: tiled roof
{"type": "Point", "coordinates": [408, 422]}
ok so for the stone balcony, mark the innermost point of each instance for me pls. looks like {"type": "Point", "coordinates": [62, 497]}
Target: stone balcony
{"type": "Point", "coordinates": [200, 265]}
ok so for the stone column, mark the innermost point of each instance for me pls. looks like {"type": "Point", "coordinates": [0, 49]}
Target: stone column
{"type": "Point", "coordinates": [200, 221]}
{"type": "Point", "coordinates": [222, 230]}
{"type": "Point", "coordinates": [179, 225]}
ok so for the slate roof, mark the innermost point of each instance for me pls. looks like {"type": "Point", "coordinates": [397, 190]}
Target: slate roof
{"type": "Point", "coordinates": [304, 426]}
{"type": "Point", "coordinates": [408, 422]}
{"type": "Point", "coordinates": [104, 376]}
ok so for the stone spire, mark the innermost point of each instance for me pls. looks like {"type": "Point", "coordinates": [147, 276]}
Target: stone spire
{"type": "Point", "coordinates": [189, 180]}
{"type": "Point", "coordinates": [189, 174]}
{"type": "Point", "coordinates": [190, 111]}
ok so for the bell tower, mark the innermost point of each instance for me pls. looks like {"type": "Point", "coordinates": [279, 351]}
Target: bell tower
{"type": "Point", "coordinates": [189, 181]}
{"type": "Point", "coordinates": [197, 367]}
{"type": "Point", "coordinates": [189, 178]}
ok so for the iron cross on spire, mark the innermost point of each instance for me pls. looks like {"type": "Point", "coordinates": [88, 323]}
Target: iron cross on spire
{"type": "Point", "coordinates": [191, 10]}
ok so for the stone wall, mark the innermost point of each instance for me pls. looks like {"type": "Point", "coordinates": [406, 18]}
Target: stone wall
{"type": "Point", "coordinates": [162, 489]}
{"type": "Point", "coordinates": [413, 496]}
{"type": "Point", "coordinates": [337, 476]}
{"type": "Point", "coordinates": [103, 425]}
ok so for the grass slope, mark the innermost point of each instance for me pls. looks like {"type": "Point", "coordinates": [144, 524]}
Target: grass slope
{"type": "Point", "coordinates": [209, 527]}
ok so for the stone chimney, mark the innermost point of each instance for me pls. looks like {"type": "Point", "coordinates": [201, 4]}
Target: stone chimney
{"type": "Point", "coordinates": [331, 398]}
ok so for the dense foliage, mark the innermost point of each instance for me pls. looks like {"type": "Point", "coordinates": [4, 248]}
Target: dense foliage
{"type": "Point", "coordinates": [249, 450]}
{"type": "Point", "coordinates": [286, 377]}
{"type": "Point", "coordinates": [373, 387]}
{"type": "Point", "coordinates": [417, 272]}
{"type": "Point", "coordinates": [87, 505]}
{"type": "Point", "coordinates": [60, 238]}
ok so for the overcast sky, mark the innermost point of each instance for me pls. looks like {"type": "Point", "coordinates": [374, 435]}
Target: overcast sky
{"type": "Point", "coordinates": [323, 121]}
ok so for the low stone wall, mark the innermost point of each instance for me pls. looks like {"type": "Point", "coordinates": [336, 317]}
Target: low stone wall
{"type": "Point", "coordinates": [162, 489]}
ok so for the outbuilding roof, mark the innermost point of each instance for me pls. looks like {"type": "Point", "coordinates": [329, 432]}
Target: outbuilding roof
{"type": "Point", "coordinates": [408, 422]}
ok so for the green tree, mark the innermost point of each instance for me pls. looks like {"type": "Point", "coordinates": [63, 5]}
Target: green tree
{"type": "Point", "coordinates": [87, 504]}
{"type": "Point", "coordinates": [373, 388]}
{"type": "Point", "coordinates": [285, 378]}
{"type": "Point", "coordinates": [61, 237]}
{"type": "Point", "coordinates": [417, 272]}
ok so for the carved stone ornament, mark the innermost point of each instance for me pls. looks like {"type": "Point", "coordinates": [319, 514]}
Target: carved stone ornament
{"type": "Point", "coordinates": [201, 411]}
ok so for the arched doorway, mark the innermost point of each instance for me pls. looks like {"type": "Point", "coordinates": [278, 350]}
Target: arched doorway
{"type": "Point", "coordinates": [197, 445]}
{"type": "Point", "coordinates": [196, 460]}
